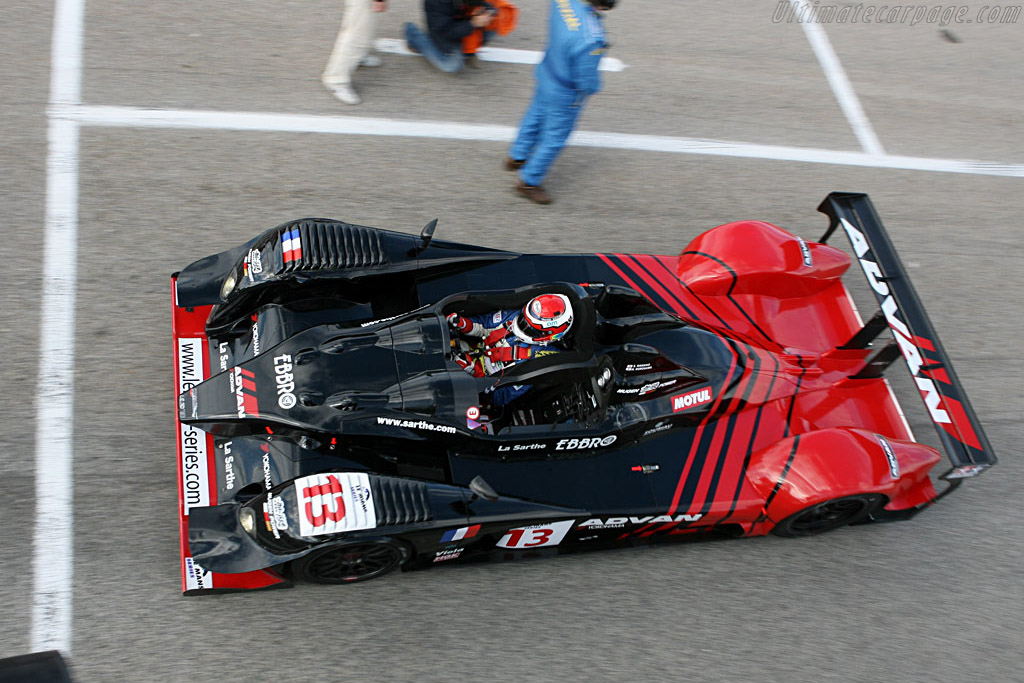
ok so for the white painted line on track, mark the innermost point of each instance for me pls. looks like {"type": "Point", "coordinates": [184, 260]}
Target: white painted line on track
{"type": "Point", "coordinates": [841, 87]}
{"type": "Point", "coordinates": [450, 130]}
{"type": "Point", "coordinates": [53, 559]}
{"type": "Point", "coordinates": [492, 54]}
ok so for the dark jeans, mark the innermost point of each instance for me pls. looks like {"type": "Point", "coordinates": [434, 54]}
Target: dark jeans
{"type": "Point", "coordinates": [421, 42]}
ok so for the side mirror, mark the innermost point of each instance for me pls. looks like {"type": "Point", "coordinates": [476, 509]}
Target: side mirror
{"type": "Point", "coordinates": [482, 489]}
{"type": "Point", "coordinates": [426, 235]}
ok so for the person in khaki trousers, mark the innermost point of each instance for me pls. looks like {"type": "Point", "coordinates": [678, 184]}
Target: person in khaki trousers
{"type": "Point", "coordinates": [352, 48]}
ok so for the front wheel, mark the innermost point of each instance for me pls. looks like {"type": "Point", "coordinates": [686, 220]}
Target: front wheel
{"type": "Point", "coordinates": [832, 514]}
{"type": "Point", "coordinates": [349, 563]}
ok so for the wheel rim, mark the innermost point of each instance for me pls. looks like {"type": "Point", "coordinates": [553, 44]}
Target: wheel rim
{"type": "Point", "coordinates": [354, 563]}
{"type": "Point", "coordinates": [830, 515]}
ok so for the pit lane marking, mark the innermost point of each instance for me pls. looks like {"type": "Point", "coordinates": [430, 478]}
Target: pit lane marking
{"type": "Point", "coordinates": [452, 130]}
{"type": "Point", "coordinates": [52, 560]}
{"type": "Point", "coordinates": [838, 81]}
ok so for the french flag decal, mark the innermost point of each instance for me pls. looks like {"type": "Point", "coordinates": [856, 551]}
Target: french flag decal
{"type": "Point", "coordinates": [459, 534]}
{"type": "Point", "coordinates": [291, 245]}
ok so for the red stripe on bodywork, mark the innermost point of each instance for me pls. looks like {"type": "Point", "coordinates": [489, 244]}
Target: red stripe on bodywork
{"type": "Point", "coordinates": [700, 432]}
{"type": "Point", "coordinates": [961, 428]}
{"type": "Point", "coordinates": [669, 297]}
{"type": "Point", "coordinates": [618, 271]}
{"type": "Point", "coordinates": [923, 343]}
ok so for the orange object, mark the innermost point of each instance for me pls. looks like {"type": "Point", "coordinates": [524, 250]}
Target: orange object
{"type": "Point", "coordinates": [504, 22]}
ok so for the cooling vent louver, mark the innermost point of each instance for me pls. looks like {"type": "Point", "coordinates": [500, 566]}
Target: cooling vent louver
{"type": "Point", "coordinates": [401, 502]}
{"type": "Point", "coordinates": [333, 245]}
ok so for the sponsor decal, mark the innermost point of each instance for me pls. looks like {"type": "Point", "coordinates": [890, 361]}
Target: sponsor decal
{"type": "Point", "coordinates": [195, 480]}
{"type": "Point", "coordinates": [268, 480]}
{"type": "Point", "coordinates": [585, 443]}
{"type": "Point", "coordinates": [381, 320]}
{"type": "Point", "coordinates": [645, 469]}
{"type": "Point", "coordinates": [496, 318]}
{"type": "Point", "coordinates": [229, 467]}
{"type": "Point", "coordinates": [334, 503]}
{"type": "Point", "coordinates": [255, 337]}
{"type": "Point", "coordinates": [416, 424]}
{"type": "Point", "coordinates": [291, 246]}
{"type": "Point", "coordinates": [460, 533]}
{"type": "Point", "coordinates": [275, 516]}
{"type": "Point", "coordinates": [523, 447]}
{"type": "Point", "coordinates": [964, 471]}
{"type": "Point", "coordinates": [659, 427]}
{"type": "Point", "coordinates": [805, 252]}
{"type": "Point", "coordinates": [254, 259]}
{"type": "Point", "coordinates": [691, 399]}
{"type": "Point", "coordinates": [648, 388]}
{"type": "Point", "coordinates": [911, 353]}
{"type": "Point", "coordinates": [196, 578]}
{"type": "Point", "coordinates": [285, 381]}
{"type": "Point", "coordinates": [621, 522]}
{"type": "Point", "coordinates": [245, 391]}
{"type": "Point", "coordinates": [894, 464]}
{"type": "Point", "coordinates": [450, 554]}
{"type": "Point", "coordinates": [536, 536]}
{"type": "Point", "coordinates": [473, 413]}
{"type": "Point", "coordinates": [565, 10]}
{"type": "Point", "coordinates": [222, 351]}
{"type": "Point", "coordinates": [638, 367]}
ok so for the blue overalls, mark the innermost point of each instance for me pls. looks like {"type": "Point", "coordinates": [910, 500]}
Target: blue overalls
{"type": "Point", "coordinates": [565, 78]}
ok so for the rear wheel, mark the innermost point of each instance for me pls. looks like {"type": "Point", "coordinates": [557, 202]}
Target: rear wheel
{"type": "Point", "coordinates": [349, 563]}
{"type": "Point", "coordinates": [832, 514]}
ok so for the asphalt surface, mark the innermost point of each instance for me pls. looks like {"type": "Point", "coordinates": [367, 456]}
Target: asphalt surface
{"type": "Point", "coordinates": [938, 598]}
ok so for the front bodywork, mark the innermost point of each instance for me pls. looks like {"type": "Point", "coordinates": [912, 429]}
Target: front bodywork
{"type": "Point", "coordinates": [715, 392]}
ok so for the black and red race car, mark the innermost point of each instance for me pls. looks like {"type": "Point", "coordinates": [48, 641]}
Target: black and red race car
{"type": "Point", "coordinates": [326, 433]}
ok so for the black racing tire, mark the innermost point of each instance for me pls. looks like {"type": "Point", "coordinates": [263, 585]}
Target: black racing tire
{"type": "Point", "coordinates": [829, 515]}
{"type": "Point", "coordinates": [350, 562]}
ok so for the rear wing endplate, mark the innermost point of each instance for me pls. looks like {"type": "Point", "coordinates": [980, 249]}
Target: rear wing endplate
{"type": "Point", "coordinates": [959, 430]}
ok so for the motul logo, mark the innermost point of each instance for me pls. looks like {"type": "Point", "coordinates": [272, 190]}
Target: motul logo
{"type": "Point", "coordinates": [911, 354]}
{"type": "Point", "coordinates": [693, 398]}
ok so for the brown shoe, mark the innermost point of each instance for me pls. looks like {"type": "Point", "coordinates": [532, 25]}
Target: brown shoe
{"type": "Point", "coordinates": [513, 164]}
{"type": "Point", "coordinates": [535, 193]}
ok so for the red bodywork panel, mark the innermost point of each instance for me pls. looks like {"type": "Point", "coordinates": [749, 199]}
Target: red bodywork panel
{"type": "Point", "coordinates": [784, 297]}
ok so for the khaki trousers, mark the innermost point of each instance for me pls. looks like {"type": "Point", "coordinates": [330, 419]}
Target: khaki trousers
{"type": "Point", "coordinates": [358, 28]}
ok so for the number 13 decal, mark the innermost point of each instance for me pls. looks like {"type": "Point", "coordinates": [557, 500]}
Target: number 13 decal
{"type": "Point", "coordinates": [536, 536]}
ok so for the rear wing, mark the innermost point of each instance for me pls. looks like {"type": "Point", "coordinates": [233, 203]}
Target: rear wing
{"type": "Point", "coordinates": [914, 337]}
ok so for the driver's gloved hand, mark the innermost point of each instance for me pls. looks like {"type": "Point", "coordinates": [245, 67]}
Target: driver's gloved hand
{"type": "Point", "coordinates": [458, 323]}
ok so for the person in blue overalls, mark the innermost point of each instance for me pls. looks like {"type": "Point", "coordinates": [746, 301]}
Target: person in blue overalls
{"type": "Point", "coordinates": [491, 343]}
{"type": "Point", "coordinates": [566, 77]}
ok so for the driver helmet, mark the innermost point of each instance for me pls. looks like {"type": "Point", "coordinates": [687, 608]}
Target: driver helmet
{"type": "Point", "coordinates": [547, 318]}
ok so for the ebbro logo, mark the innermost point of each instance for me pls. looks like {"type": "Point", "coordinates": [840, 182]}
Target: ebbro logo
{"type": "Point", "coordinates": [691, 399]}
{"type": "Point", "coordinates": [581, 444]}
{"type": "Point", "coordinates": [285, 381]}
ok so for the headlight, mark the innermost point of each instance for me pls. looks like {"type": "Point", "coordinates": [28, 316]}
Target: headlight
{"type": "Point", "coordinates": [247, 518]}
{"type": "Point", "coordinates": [229, 286]}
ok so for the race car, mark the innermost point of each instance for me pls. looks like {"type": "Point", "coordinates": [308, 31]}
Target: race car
{"type": "Point", "coordinates": [329, 431]}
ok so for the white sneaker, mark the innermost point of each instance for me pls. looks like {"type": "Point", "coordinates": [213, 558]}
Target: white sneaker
{"type": "Point", "coordinates": [344, 92]}
{"type": "Point", "coordinates": [370, 60]}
